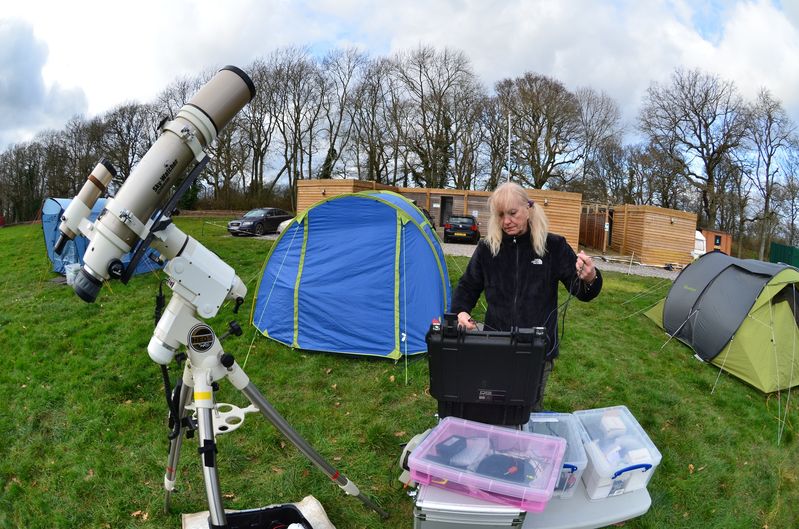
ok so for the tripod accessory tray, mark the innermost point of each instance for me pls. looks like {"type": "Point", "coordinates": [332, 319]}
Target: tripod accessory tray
{"type": "Point", "coordinates": [487, 377]}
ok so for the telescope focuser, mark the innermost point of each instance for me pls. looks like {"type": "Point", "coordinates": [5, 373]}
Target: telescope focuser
{"type": "Point", "coordinates": [60, 243]}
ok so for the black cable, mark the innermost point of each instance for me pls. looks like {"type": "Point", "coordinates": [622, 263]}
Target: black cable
{"type": "Point", "coordinates": [172, 405]}
{"type": "Point", "coordinates": [565, 306]}
{"type": "Point", "coordinates": [160, 302]}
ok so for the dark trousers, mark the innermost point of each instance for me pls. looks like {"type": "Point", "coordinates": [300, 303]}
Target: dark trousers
{"type": "Point", "coordinates": [539, 398]}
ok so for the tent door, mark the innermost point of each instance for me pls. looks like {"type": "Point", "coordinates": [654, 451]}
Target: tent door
{"type": "Point", "coordinates": [791, 297]}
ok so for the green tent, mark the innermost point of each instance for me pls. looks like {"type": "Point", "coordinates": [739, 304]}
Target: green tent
{"type": "Point", "coordinates": [738, 314]}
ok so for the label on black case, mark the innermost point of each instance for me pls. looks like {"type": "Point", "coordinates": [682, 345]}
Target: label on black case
{"type": "Point", "coordinates": [491, 395]}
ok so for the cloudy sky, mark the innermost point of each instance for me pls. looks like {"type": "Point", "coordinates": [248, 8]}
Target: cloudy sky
{"type": "Point", "coordinates": [58, 59]}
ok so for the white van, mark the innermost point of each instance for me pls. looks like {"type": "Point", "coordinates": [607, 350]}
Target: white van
{"type": "Point", "coordinates": [699, 245]}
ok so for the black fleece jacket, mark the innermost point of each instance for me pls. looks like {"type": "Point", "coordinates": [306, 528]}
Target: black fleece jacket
{"type": "Point", "coordinates": [521, 287]}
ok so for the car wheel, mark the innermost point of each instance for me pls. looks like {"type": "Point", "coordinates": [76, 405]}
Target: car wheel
{"type": "Point", "coordinates": [259, 229]}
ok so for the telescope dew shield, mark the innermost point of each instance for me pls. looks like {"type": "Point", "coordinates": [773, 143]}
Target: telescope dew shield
{"type": "Point", "coordinates": [123, 222]}
{"type": "Point", "coordinates": [81, 206]}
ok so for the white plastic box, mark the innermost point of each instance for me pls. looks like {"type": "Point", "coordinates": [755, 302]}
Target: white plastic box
{"type": "Point", "coordinates": [567, 426]}
{"type": "Point", "coordinates": [492, 463]}
{"type": "Point", "coordinates": [621, 457]}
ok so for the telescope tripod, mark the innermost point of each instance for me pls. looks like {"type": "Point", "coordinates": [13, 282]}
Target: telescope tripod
{"type": "Point", "coordinates": [207, 364]}
{"type": "Point", "coordinates": [197, 379]}
{"type": "Point", "coordinates": [200, 283]}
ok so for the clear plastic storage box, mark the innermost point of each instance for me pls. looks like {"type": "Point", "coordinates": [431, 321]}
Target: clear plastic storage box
{"type": "Point", "coordinates": [567, 426]}
{"type": "Point", "coordinates": [492, 463]}
{"type": "Point", "coordinates": [621, 457]}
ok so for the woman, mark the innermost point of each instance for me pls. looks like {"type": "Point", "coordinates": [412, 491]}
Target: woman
{"type": "Point", "coordinates": [518, 265]}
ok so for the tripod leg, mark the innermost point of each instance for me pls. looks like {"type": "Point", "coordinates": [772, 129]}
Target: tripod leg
{"type": "Point", "coordinates": [208, 452]}
{"type": "Point", "coordinates": [175, 443]}
{"type": "Point", "coordinates": [281, 424]}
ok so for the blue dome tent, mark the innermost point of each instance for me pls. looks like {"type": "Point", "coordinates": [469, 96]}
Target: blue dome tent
{"type": "Point", "coordinates": [358, 273]}
{"type": "Point", "coordinates": [52, 210]}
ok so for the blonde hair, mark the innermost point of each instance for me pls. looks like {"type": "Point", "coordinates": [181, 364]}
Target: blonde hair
{"type": "Point", "coordinates": [538, 224]}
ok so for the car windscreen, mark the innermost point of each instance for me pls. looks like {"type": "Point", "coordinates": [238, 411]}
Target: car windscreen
{"type": "Point", "coordinates": [254, 213]}
{"type": "Point", "coordinates": [460, 220]}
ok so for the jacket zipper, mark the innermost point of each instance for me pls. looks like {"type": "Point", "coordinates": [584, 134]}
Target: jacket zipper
{"type": "Point", "coordinates": [516, 285]}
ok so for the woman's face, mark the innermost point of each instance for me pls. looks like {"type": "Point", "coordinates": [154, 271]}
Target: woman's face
{"type": "Point", "coordinates": [514, 217]}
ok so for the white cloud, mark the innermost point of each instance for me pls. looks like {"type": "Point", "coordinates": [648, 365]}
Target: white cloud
{"type": "Point", "coordinates": [27, 104]}
{"type": "Point", "coordinates": [760, 48]}
{"type": "Point", "coordinates": [115, 52]}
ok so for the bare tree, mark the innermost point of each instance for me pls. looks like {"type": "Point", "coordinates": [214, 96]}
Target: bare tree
{"type": "Point", "coordinates": [734, 198]}
{"type": "Point", "coordinates": [56, 165]}
{"type": "Point", "coordinates": [341, 70]}
{"type": "Point", "coordinates": [128, 134]}
{"type": "Point", "coordinates": [296, 100]}
{"type": "Point", "coordinates": [642, 170]}
{"type": "Point", "coordinates": [467, 132]}
{"type": "Point", "coordinates": [230, 159]}
{"type": "Point", "coordinates": [769, 131]}
{"type": "Point", "coordinates": [600, 120]}
{"type": "Point", "coordinates": [433, 81]}
{"type": "Point", "coordinates": [789, 196]}
{"type": "Point", "coordinates": [82, 141]}
{"type": "Point", "coordinates": [259, 122]}
{"type": "Point", "coordinates": [612, 178]}
{"type": "Point", "coordinates": [374, 142]}
{"type": "Point", "coordinates": [698, 120]}
{"type": "Point", "coordinates": [22, 181]}
{"type": "Point", "coordinates": [495, 141]}
{"type": "Point", "coordinates": [176, 94]}
{"type": "Point", "coordinates": [398, 111]}
{"type": "Point", "coordinates": [546, 127]}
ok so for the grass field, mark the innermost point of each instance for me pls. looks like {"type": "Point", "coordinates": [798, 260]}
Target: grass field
{"type": "Point", "coordinates": [83, 416]}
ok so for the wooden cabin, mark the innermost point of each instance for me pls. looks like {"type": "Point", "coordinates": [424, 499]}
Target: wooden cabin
{"type": "Point", "coordinates": [309, 192]}
{"type": "Point", "coordinates": [717, 240]}
{"type": "Point", "coordinates": [562, 209]}
{"type": "Point", "coordinates": [652, 235]}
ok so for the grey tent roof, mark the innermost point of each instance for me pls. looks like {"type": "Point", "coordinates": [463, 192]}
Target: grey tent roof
{"type": "Point", "coordinates": [710, 299]}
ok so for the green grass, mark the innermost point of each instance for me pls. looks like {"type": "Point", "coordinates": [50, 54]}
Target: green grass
{"type": "Point", "coordinates": [84, 440]}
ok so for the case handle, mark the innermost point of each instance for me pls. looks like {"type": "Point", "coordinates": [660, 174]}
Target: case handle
{"type": "Point", "coordinates": [571, 468]}
{"type": "Point", "coordinates": [645, 466]}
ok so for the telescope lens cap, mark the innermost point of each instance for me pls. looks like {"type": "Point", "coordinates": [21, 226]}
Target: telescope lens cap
{"type": "Point", "coordinates": [86, 286]}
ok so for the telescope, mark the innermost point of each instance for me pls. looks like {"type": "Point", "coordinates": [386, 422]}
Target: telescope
{"type": "Point", "coordinates": [126, 218]}
{"type": "Point", "coordinates": [201, 282]}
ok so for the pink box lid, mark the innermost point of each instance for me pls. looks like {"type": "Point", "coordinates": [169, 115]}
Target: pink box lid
{"type": "Point", "coordinates": [490, 462]}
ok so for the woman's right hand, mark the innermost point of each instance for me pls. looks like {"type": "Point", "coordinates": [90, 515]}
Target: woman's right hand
{"type": "Point", "coordinates": [465, 320]}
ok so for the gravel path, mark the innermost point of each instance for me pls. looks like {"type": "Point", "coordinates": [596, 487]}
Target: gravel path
{"type": "Point", "coordinates": [466, 250]}
{"type": "Point", "coordinates": [649, 271]}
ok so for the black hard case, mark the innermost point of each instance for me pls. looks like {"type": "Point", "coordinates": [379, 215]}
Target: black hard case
{"type": "Point", "coordinates": [488, 377]}
{"type": "Point", "coordinates": [276, 516]}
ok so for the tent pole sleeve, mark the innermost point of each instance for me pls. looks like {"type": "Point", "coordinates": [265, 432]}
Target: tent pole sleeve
{"type": "Point", "coordinates": [397, 280]}
{"type": "Point", "coordinates": [297, 283]}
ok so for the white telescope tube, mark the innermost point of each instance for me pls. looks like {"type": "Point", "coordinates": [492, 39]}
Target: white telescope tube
{"type": "Point", "coordinates": [81, 206]}
{"type": "Point", "coordinates": [124, 221]}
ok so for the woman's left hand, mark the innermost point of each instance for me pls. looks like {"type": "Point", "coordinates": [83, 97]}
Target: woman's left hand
{"type": "Point", "coordinates": [585, 268]}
